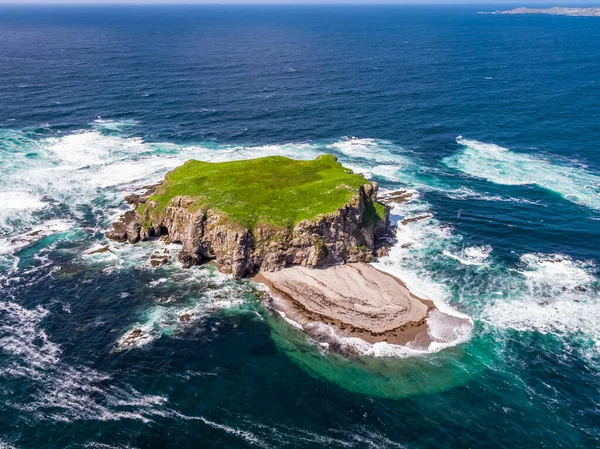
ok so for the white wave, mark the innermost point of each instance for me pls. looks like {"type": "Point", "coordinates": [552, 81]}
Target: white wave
{"type": "Point", "coordinates": [389, 172]}
{"type": "Point", "coordinates": [62, 392]}
{"type": "Point", "coordinates": [21, 336]}
{"type": "Point", "coordinates": [274, 435]}
{"type": "Point", "coordinates": [15, 200]}
{"type": "Point", "coordinates": [471, 255]}
{"type": "Point", "coordinates": [447, 330]}
{"type": "Point", "coordinates": [464, 193]}
{"type": "Point", "coordinates": [354, 436]}
{"type": "Point", "coordinates": [565, 315]}
{"type": "Point", "coordinates": [381, 151]}
{"type": "Point", "coordinates": [503, 166]}
{"type": "Point", "coordinates": [290, 321]}
{"type": "Point", "coordinates": [554, 273]}
{"type": "Point", "coordinates": [558, 295]}
{"type": "Point", "coordinates": [18, 242]}
{"type": "Point", "coordinates": [16, 206]}
{"type": "Point", "coordinates": [91, 148]}
{"type": "Point", "coordinates": [106, 125]}
{"type": "Point", "coordinates": [444, 331]}
{"type": "Point", "coordinates": [244, 434]}
{"type": "Point", "coordinates": [65, 173]}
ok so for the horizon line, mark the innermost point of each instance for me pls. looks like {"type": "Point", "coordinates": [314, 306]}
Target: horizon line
{"type": "Point", "coordinates": [538, 4]}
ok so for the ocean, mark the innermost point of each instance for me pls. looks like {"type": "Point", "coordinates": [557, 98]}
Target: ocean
{"type": "Point", "coordinates": [491, 122]}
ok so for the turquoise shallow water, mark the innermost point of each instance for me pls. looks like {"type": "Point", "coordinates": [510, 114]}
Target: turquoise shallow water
{"type": "Point", "coordinates": [491, 122]}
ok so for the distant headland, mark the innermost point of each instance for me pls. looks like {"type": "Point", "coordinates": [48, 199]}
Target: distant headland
{"type": "Point", "coordinates": [555, 11]}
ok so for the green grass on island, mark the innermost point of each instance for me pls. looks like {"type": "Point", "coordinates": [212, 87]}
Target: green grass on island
{"type": "Point", "coordinates": [275, 190]}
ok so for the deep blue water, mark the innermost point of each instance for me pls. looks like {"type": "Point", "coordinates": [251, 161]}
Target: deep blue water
{"type": "Point", "coordinates": [493, 122]}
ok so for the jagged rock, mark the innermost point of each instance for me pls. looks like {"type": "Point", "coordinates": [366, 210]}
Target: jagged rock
{"type": "Point", "coordinates": [157, 259]}
{"type": "Point", "coordinates": [398, 196]}
{"type": "Point", "coordinates": [135, 337]}
{"type": "Point", "coordinates": [416, 218]}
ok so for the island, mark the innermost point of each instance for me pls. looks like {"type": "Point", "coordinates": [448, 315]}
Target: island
{"type": "Point", "coordinates": [260, 214]}
{"type": "Point", "coordinates": [557, 11]}
{"type": "Point", "coordinates": [305, 229]}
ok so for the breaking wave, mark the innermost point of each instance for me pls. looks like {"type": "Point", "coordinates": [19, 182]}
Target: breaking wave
{"type": "Point", "coordinates": [555, 294]}
{"type": "Point", "coordinates": [59, 391]}
{"type": "Point", "coordinates": [471, 255]}
{"type": "Point", "coordinates": [547, 293]}
{"type": "Point", "coordinates": [503, 166]}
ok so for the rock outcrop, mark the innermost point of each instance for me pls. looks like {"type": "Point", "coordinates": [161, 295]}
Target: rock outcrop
{"type": "Point", "coordinates": [355, 298]}
{"type": "Point", "coordinates": [351, 234]}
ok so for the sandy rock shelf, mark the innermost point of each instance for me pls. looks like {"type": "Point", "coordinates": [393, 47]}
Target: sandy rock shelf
{"type": "Point", "coordinates": [356, 300]}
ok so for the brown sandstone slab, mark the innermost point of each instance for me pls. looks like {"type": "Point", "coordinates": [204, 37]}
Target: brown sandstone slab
{"type": "Point", "coordinates": [356, 299]}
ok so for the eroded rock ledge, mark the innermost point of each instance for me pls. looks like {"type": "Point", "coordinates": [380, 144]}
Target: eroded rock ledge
{"type": "Point", "coordinates": [356, 298]}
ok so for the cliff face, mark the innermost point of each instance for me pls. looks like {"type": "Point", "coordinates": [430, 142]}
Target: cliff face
{"type": "Point", "coordinates": [346, 235]}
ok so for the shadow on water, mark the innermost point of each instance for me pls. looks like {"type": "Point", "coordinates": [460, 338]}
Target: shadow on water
{"type": "Point", "coordinates": [384, 377]}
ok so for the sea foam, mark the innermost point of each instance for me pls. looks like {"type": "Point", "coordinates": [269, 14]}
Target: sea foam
{"type": "Point", "coordinates": [61, 391]}
{"type": "Point", "coordinates": [503, 166]}
{"type": "Point", "coordinates": [551, 294]}
{"type": "Point", "coordinates": [471, 255]}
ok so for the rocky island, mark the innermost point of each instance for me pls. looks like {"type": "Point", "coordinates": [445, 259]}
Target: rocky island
{"type": "Point", "coordinates": [260, 214]}
{"type": "Point", "coordinates": [305, 229]}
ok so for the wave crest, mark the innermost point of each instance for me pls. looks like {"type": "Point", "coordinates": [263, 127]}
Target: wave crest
{"type": "Point", "coordinates": [503, 166]}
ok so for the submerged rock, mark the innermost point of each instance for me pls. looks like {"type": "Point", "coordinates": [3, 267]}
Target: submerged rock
{"type": "Point", "coordinates": [135, 337]}
{"type": "Point", "coordinates": [100, 250]}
